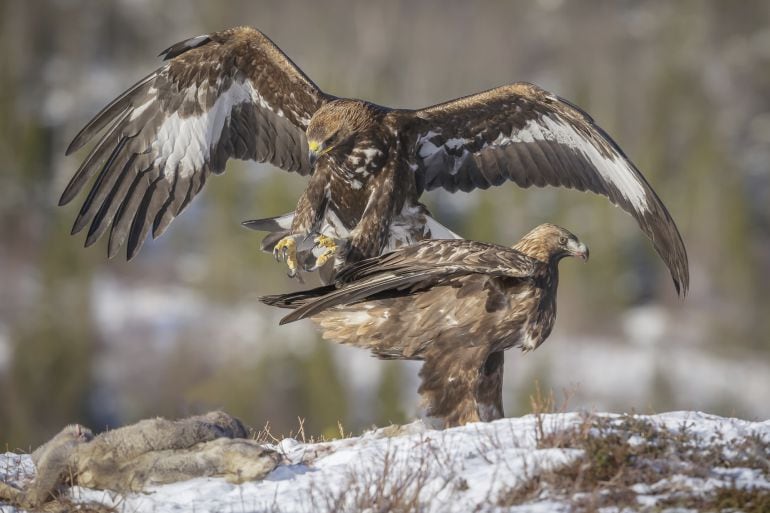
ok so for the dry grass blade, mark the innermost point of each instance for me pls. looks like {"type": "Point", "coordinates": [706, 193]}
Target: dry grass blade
{"type": "Point", "coordinates": [630, 458]}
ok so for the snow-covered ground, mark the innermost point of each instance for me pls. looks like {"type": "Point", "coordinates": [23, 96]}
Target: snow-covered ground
{"type": "Point", "coordinates": [555, 462]}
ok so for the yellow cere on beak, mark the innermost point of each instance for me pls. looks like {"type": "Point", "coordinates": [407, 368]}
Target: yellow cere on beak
{"type": "Point", "coordinates": [313, 146]}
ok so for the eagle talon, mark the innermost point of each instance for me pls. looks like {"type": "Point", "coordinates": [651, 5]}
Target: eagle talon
{"type": "Point", "coordinates": [329, 247]}
{"type": "Point", "coordinates": [286, 250]}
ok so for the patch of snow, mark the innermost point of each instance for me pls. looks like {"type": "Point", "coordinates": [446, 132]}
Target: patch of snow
{"type": "Point", "coordinates": [462, 468]}
{"type": "Point", "coordinates": [645, 325]}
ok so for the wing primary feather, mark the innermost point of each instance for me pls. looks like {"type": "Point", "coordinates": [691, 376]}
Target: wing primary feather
{"type": "Point", "coordinates": [90, 164]}
{"type": "Point", "coordinates": [352, 293]}
{"type": "Point", "coordinates": [172, 207]}
{"type": "Point", "coordinates": [103, 181]}
{"type": "Point", "coordinates": [184, 46]}
{"type": "Point", "coordinates": [137, 234]}
{"type": "Point", "coordinates": [106, 212]}
{"type": "Point", "coordinates": [123, 218]}
{"type": "Point", "coordinates": [108, 114]}
{"type": "Point", "coordinates": [294, 299]}
{"type": "Point", "coordinates": [187, 198]}
{"type": "Point", "coordinates": [271, 224]}
{"type": "Point", "coordinates": [164, 215]}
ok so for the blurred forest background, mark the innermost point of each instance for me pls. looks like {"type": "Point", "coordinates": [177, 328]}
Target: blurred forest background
{"type": "Point", "coordinates": [684, 87]}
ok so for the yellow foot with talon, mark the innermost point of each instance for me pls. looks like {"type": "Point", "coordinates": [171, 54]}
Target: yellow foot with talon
{"type": "Point", "coordinates": [286, 250]}
{"type": "Point", "coordinates": [329, 249]}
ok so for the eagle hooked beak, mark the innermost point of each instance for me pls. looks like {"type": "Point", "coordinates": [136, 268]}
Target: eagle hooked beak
{"type": "Point", "coordinates": [315, 149]}
{"type": "Point", "coordinates": [578, 249]}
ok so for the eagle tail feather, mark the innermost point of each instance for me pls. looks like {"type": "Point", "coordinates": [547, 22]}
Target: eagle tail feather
{"type": "Point", "coordinates": [295, 300]}
{"type": "Point", "coordinates": [352, 293]}
{"type": "Point", "coordinates": [277, 227]}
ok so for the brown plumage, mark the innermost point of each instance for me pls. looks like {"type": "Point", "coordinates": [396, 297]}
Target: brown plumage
{"type": "Point", "coordinates": [234, 94]}
{"type": "Point", "coordinates": [454, 304]}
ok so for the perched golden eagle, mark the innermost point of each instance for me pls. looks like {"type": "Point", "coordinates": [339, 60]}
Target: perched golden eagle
{"type": "Point", "coordinates": [234, 94]}
{"type": "Point", "coordinates": [455, 304]}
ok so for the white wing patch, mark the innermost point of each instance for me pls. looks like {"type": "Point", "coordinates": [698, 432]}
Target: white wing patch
{"type": "Point", "coordinates": [185, 143]}
{"type": "Point", "coordinates": [614, 170]}
{"type": "Point", "coordinates": [427, 148]}
{"type": "Point", "coordinates": [140, 109]}
{"type": "Point", "coordinates": [195, 41]}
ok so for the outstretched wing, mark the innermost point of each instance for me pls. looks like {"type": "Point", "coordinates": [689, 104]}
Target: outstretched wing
{"type": "Point", "coordinates": [232, 94]}
{"type": "Point", "coordinates": [532, 137]}
{"type": "Point", "coordinates": [425, 264]}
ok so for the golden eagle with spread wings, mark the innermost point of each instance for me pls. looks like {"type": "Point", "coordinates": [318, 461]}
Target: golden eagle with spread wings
{"type": "Point", "coordinates": [234, 94]}
{"type": "Point", "coordinates": [454, 304]}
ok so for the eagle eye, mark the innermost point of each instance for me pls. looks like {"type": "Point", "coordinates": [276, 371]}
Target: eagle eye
{"type": "Point", "coordinates": [562, 240]}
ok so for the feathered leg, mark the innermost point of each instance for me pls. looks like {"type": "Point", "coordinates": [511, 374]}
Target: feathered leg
{"type": "Point", "coordinates": [370, 235]}
{"type": "Point", "coordinates": [309, 212]}
{"type": "Point", "coordinates": [462, 386]}
{"type": "Point", "coordinates": [489, 389]}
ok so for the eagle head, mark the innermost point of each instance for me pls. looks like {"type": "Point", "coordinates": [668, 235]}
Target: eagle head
{"type": "Point", "coordinates": [551, 243]}
{"type": "Point", "coordinates": [337, 124]}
